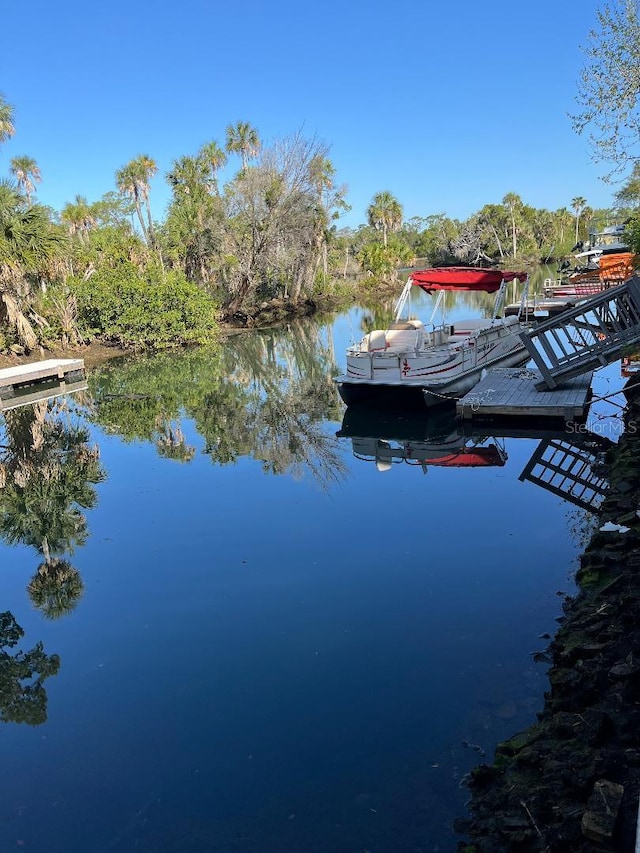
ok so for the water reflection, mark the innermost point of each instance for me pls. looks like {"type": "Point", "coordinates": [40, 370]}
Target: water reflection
{"type": "Point", "coordinates": [23, 698]}
{"type": "Point", "coordinates": [525, 799]}
{"type": "Point", "coordinates": [48, 473]}
{"type": "Point", "coordinates": [264, 395]}
{"type": "Point", "coordinates": [569, 464]}
{"type": "Point", "coordinates": [415, 438]}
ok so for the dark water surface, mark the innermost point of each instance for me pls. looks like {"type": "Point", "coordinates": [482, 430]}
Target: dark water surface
{"type": "Point", "coordinates": [265, 642]}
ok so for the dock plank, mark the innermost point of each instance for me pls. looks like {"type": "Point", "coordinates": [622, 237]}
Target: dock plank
{"type": "Point", "coordinates": [512, 392]}
{"type": "Point", "coordinates": [22, 375]}
{"type": "Point", "coordinates": [41, 394]}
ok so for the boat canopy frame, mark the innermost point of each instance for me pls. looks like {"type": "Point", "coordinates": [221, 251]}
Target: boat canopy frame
{"type": "Point", "coordinates": [478, 279]}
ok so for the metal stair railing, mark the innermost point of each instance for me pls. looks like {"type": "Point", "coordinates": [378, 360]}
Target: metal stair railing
{"type": "Point", "coordinates": [589, 336]}
{"type": "Point", "coordinates": [565, 468]}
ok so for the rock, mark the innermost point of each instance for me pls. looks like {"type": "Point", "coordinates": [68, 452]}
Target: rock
{"type": "Point", "coordinates": [598, 822]}
{"type": "Point", "coordinates": [625, 668]}
{"type": "Point", "coordinates": [17, 349]}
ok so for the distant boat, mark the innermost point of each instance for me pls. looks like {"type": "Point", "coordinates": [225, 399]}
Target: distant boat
{"type": "Point", "coordinates": [612, 269]}
{"type": "Point", "coordinates": [603, 240]}
{"type": "Point", "coordinates": [604, 261]}
{"type": "Point", "coordinates": [436, 362]}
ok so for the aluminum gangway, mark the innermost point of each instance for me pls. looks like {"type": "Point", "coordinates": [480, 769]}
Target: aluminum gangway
{"type": "Point", "coordinates": [570, 467]}
{"type": "Point", "coordinates": [591, 335]}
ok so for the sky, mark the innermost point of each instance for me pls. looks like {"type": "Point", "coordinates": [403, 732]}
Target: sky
{"type": "Point", "coordinates": [447, 105]}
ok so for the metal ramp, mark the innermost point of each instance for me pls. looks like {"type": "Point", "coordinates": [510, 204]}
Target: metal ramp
{"type": "Point", "coordinates": [589, 336]}
{"type": "Point", "coordinates": [570, 469]}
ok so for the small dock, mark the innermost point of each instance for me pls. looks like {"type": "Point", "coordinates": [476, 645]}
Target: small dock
{"type": "Point", "coordinates": [541, 308]}
{"type": "Point", "coordinates": [54, 370]}
{"type": "Point", "coordinates": [46, 391]}
{"type": "Point", "coordinates": [512, 392]}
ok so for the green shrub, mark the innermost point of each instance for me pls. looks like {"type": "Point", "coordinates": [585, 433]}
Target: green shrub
{"type": "Point", "coordinates": [154, 310]}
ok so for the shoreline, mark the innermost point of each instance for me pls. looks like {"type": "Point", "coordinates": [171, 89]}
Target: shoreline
{"type": "Point", "coordinates": [543, 792]}
{"type": "Point", "coordinates": [272, 314]}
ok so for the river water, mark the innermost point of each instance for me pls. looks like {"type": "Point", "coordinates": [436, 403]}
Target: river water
{"type": "Point", "coordinates": [261, 628]}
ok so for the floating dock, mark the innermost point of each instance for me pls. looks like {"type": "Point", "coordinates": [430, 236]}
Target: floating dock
{"type": "Point", "coordinates": [512, 392]}
{"type": "Point", "coordinates": [45, 391]}
{"type": "Point", "coordinates": [56, 370]}
{"type": "Point", "coordinates": [541, 308]}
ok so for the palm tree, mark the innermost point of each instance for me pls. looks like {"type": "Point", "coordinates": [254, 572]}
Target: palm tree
{"type": "Point", "coordinates": [146, 168]}
{"type": "Point", "coordinates": [7, 128]}
{"type": "Point", "coordinates": [215, 158]}
{"type": "Point", "coordinates": [187, 176]}
{"type": "Point", "coordinates": [385, 213]}
{"type": "Point", "coordinates": [133, 180]}
{"type": "Point", "coordinates": [562, 219]}
{"type": "Point", "coordinates": [578, 204]}
{"type": "Point", "coordinates": [513, 203]}
{"type": "Point", "coordinates": [27, 174]}
{"type": "Point", "coordinates": [243, 139]}
{"type": "Point", "coordinates": [29, 248]}
{"type": "Point", "coordinates": [78, 217]}
{"type": "Point", "coordinates": [322, 173]}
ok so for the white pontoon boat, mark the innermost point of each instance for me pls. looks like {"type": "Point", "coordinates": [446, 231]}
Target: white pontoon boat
{"type": "Point", "coordinates": [436, 362]}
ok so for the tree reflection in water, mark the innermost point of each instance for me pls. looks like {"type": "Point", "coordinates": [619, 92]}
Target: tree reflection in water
{"type": "Point", "coordinates": [263, 394]}
{"type": "Point", "coordinates": [23, 698]}
{"type": "Point", "coordinates": [48, 472]}
{"type": "Point", "coordinates": [56, 588]}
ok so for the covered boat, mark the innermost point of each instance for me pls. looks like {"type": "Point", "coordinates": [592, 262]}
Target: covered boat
{"type": "Point", "coordinates": [436, 362]}
{"type": "Point", "coordinates": [483, 279]}
{"type": "Point", "coordinates": [612, 269]}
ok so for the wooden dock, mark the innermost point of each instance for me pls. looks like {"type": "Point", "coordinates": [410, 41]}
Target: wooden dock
{"type": "Point", "coordinates": [60, 370]}
{"type": "Point", "coordinates": [541, 308]}
{"type": "Point", "coordinates": [512, 392]}
{"type": "Point", "coordinates": [28, 396]}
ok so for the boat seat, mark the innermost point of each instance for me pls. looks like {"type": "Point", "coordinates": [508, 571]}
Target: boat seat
{"type": "Point", "coordinates": [465, 328]}
{"type": "Point", "coordinates": [403, 340]}
{"type": "Point", "coordinates": [393, 340]}
{"type": "Point", "coordinates": [376, 341]}
{"type": "Point", "coordinates": [406, 324]}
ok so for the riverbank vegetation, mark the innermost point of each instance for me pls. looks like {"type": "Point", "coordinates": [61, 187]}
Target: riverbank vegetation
{"type": "Point", "coordinates": [263, 247]}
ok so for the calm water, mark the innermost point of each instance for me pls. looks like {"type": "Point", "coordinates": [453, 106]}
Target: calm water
{"type": "Point", "coordinates": [265, 642]}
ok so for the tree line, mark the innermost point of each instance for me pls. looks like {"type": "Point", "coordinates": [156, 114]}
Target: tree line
{"type": "Point", "coordinates": [270, 235]}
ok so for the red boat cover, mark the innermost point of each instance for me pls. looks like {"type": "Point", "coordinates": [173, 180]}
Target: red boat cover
{"type": "Point", "coordinates": [469, 457]}
{"type": "Point", "coordinates": [464, 278]}
{"type": "Point", "coordinates": [478, 457]}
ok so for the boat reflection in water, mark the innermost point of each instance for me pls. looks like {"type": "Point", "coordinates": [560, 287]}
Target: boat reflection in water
{"type": "Point", "coordinates": [415, 439]}
{"type": "Point", "coordinates": [569, 464]}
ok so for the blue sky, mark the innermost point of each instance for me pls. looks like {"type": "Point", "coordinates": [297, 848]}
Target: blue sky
{"type": "Point", "coordinates": [447, 105]}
